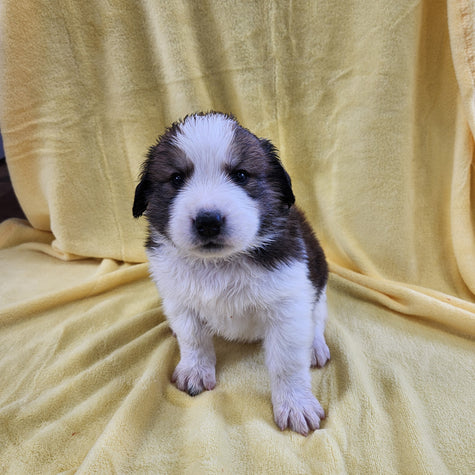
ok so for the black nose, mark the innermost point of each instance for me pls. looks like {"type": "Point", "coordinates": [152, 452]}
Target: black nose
{"type": "Point", "coordinates": [208, 224]}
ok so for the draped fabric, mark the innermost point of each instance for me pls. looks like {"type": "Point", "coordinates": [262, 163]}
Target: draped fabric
{"type": "Point", "coordinates": [372, 106]}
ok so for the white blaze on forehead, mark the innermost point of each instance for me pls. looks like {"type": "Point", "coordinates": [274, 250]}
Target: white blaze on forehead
{"type": "Point", "coordinates": [207, 142]}
{"type": "Point", "coordinates": [206, 139]}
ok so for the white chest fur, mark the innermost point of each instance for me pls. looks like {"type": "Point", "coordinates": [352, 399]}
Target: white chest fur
{"type": "Point", "coordinates": [235, 299]}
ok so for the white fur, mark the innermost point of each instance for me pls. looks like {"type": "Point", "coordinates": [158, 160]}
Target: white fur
{"type": "Point", "coordinates": [206, 141]}
{"type": "Point", "coordinates": [238, 300]}
{"type": "Point", "coordinates": [206, 293]}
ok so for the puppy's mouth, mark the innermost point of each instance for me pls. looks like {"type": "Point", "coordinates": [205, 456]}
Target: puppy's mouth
{"type": "Point", "coordinates": [212, 249]}
{"type": "Point", "coordinates": [212, 246]}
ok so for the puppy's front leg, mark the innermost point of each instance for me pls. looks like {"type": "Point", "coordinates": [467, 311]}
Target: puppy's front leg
{"type": "Point", "coordinates": [288, 351]}
{"type": "Point", "coordinates": [196, 370]}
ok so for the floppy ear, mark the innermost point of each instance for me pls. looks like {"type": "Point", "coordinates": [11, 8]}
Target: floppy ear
{"type": "Point", "coordinates": [278, 173]}
{"type": "Point", "coordinates": [141, 198]}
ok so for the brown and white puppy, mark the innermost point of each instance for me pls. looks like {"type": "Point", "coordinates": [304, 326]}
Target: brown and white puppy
{"type": "Point", "coordinates": [231, 255]}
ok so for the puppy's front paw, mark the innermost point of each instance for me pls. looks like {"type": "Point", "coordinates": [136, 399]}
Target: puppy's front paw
{"type": "Point", "coordinates": [300, 413]}
{"type": "Point", "coordinates": [320, 353]}
{"type": "Point", "coordinates": [195, 379]}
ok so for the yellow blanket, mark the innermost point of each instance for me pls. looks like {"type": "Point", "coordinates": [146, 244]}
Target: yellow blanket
{"type": "Point", "coordinates": [372, 105]}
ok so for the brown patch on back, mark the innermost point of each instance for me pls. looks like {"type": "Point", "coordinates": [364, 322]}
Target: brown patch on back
{"type": "Point", "coordinates": [317, 264]}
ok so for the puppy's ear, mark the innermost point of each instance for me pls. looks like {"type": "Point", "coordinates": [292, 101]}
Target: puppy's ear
{"type": "Point", "coordinates": [278, 173]}
{"type": "Point", "coordinates": [141, 198]}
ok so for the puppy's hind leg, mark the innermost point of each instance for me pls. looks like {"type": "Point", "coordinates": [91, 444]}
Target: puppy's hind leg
{"type": "Point", "coordinates": [320, 350]}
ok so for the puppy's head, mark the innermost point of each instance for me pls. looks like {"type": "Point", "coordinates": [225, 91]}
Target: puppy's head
{"type": "Point", "coordinates": [212, 188]}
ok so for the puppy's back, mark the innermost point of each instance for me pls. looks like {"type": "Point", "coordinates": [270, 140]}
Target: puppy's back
{"type": "Point", "coordinates": [317, 264]}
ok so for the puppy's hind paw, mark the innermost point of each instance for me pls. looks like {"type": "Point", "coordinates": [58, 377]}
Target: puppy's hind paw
{"type": "Point", "coordinates": [301, 414]}
{"type": "Point", "coordinates": [194, 380]}
{"type": "Point", "coordinates": [320, 353]}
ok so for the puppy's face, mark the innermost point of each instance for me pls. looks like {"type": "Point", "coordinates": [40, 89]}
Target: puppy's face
{"type": "Point", "coordinates": [212, 188]}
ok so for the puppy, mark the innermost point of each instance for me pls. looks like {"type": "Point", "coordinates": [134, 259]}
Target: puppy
{"type": "Point", "coordinates": [233, 256]}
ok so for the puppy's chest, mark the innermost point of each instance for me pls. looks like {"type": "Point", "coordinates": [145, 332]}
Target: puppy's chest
{"type": "Point", "coordinates": [231, 304]}
{"type": "Point", "coordinates": [233, 300]}
{"type": "Point", "coordinates": [232, 289]}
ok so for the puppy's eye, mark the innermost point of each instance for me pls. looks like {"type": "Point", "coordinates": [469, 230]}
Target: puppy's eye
{"type": "Point", "coordinates": [240, 177]}
{"type": "Point", "coordinates": [177, 180]}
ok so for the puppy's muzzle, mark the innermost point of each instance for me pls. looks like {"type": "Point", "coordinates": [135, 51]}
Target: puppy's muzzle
{"type": "Point", "coordinates": [209, 224]}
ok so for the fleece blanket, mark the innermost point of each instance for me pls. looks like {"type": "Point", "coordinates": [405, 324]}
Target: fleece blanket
{"type": "Point", "coordinates": [372, 105]}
